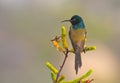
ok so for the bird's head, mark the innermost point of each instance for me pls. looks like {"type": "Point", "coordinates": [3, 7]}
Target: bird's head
{"type": "Point", "coordinates": [76, 21]}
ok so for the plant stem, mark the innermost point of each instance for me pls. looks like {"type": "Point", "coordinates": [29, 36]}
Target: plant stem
{"type": "Point", "coordinates": [61, 67]}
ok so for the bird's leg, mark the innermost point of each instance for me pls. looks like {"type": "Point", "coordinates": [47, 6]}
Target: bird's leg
{"type": "Point", "coordinates": [84, 50]}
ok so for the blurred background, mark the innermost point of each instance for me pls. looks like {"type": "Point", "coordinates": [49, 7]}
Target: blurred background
{"type": "Point", "coordinates": [27, 26]}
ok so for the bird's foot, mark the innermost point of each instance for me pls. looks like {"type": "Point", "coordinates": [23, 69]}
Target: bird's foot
{"type": "Point", "coordinates": [84, 50]}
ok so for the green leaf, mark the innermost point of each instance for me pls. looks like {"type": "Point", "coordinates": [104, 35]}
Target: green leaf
{"type": "Point", "coordinates": [80, 78]}
{"type": "Point", "coordinates": [53, 76]}
{"type": "Point", "coordinates": [86, 75]}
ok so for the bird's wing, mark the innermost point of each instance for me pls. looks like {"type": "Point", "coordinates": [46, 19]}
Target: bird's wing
{"type": "Point", "coordinates": [73, 43]}
{"type": "Point", "coordinates": [85, 33]}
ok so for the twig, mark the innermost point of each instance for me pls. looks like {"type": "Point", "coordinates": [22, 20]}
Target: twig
{"type": "Point", "coordinates": [61, 67]}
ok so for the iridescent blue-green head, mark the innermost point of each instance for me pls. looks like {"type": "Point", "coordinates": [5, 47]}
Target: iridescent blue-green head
{"type": "Point", "coordinates": [76, 22]}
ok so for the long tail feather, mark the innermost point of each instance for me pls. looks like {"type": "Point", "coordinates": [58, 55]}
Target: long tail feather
{"type": "Point", "coordinates": [78, 62]}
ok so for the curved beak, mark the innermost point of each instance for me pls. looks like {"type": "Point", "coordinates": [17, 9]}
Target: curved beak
{"type": "Point", "coordinates": [66, 21]}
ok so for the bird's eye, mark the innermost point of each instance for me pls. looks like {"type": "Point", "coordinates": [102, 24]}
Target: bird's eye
{"type": "Point", "coordinates": [74, 19]}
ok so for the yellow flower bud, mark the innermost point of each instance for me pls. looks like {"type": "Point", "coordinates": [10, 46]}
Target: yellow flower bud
{"type": "Point", "coordinates": [90, 48]}
{"type": "Point", "coordinates": [63, 36]}
{"type": "Point", "coordinates": [61, 78]}
{"type": "Point", "coordinates": [51, 67]}
{"type": "Point", "coordinates": [56, 44]}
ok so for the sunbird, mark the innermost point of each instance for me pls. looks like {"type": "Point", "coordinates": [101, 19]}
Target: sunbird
{"type": "Point", "coordinates": [77, 35]}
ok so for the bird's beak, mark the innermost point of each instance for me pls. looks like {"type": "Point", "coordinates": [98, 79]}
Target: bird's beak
{"type": "Point", "coordinates": [66, 21]}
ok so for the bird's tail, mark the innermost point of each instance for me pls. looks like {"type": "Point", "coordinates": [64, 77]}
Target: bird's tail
{"type": "Point", "coordinates": [78, 62]}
